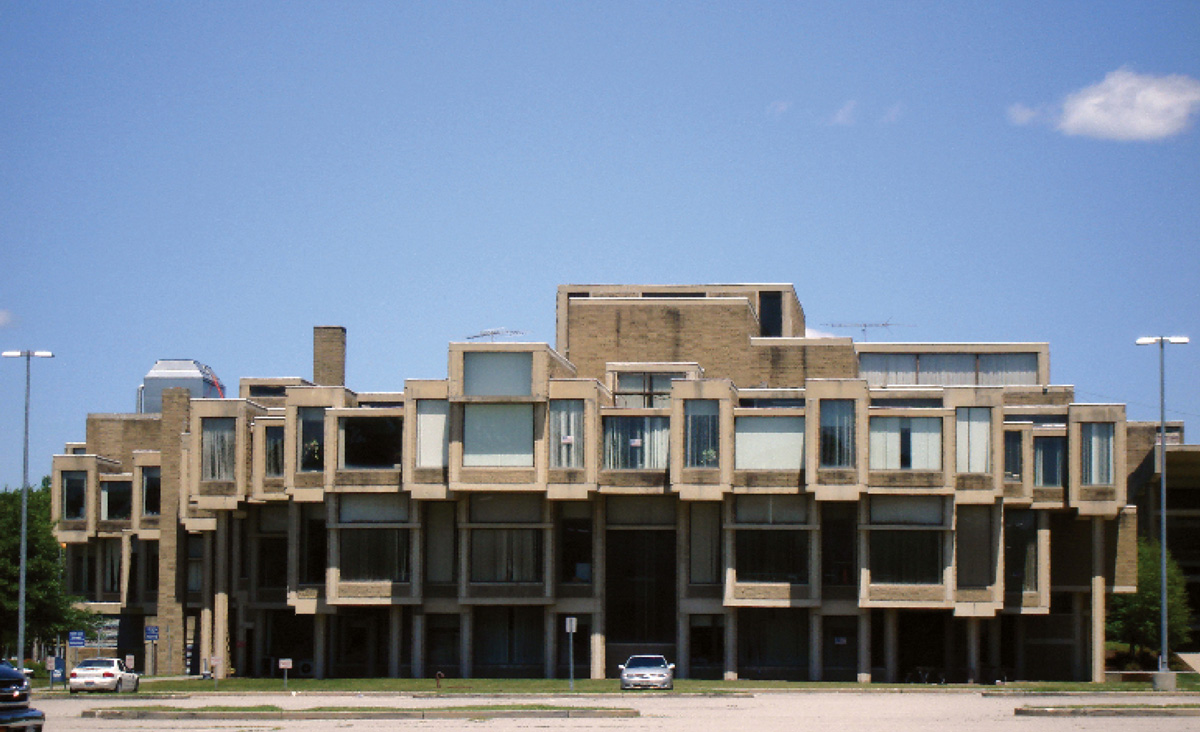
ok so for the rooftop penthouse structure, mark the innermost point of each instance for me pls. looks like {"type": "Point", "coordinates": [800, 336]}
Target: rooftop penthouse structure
{"type": "Point", "coordinates": [683, 472]}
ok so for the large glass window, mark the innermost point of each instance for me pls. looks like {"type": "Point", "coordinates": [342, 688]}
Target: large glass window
{"type": "Point", "coordinates": [575, 542]}
{"type": "Point", "coordinates": [771, 509]}
{"type": "Point", "coordinates": [639, 389]}
{"type": "Point", "coordinates": [702, 432]}
{"type": "Point", "coordinates": [837, 433]}
{"type": "Point", "coordinates": [498, 435]}
{"type": "Point", "coordinates": [769, 443]}
{"type": "Point", "coordinates": [495, 373]}
{"type": "Point", "coordinates": [772, 555]}
{"type": "Point", "coordinates": [1012, 456]}
{"type": "Point", "coordinates": [506, 555]}
{"type": "Point", "coordinates": [374, 555]}
{"type": "Point", "coordinates": [906, 443]}
{"type": "Point", "coordinates": [373, 508]}
{"type": "Point", "coordinates": [974, 547]}
{"type": "Point", "coordinates": [371, 442]}
{"type": "Point", "coordinates": [974, 438]}
{"type": "Point", "coordinates": [705, 539]}
{"type": "Point", "coordinates": [74, 488]}
{"type": "Point", "coordinates": [901, 552]}
{"type": "Point", "coordinates": [433, 433]}
{"type": "Point", "coordinates": [314, 540]}
{"type": "Point", "coordinates": [1049, 457]}
{"type": "Point", "coordinates": [1020, 550]}
{"type": "Point", "coordinates": [566, 433]}
{"type": "Point", "coordinates": [1096, 453]}
{"type": "Point", "coordinates": [636, 442]}
{"type": "Point", "coordinates": [273, 447]}
{"type": "Point", "coordinates": [217, 448]}
{"type": "Point", "coordinates": [151, 491]}
{"type": "Point", "coordinates": [116, 500]}
{"type": "Point", "coordinates": [312, 438]}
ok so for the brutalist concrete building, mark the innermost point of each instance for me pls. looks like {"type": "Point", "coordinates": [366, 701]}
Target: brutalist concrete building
{"type": "Point", "coordinates": [683, 473]}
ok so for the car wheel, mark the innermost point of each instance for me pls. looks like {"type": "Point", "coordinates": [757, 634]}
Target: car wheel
{"type": "Point", "coordinates": [119, 687]}
{"type": "Point", "coordinates": [73, 690]}
{"type": "Point", "coordinates": [136, 684]}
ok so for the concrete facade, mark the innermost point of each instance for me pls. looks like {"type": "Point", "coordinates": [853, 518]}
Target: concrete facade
{"type": "Point", "coordinates": [684, 473]}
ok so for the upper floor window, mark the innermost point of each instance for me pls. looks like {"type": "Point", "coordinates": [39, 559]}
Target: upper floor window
{"type": "Point", "coordinates": [636, 442]}
{"type": "Point", "coordinates": [566, 433]}
{"type": "Point", "coordinates": [1049, 459]}
{"type": "Point", "coordinates": [312, 438]}
{"type": "Point", "coordinates": [906, 443]}
{"type": "Point", "coordinates": [949, 369]}
{"type": "Point", "coordinates": [1096, 453]}
{"type": "Point", "coordinates": [273, 448]}
{"type": "Point", "coordinates": [370, 442]}
{"type": "Point", "coordinates": [494, 373]}
{"type": "Point", "coordinates": [768, 443]}
{"type": "Point", "coordinates": [837, 433]}
{"type": "Point", "coordinates": [433, 433]}
{"type": "Point", "coordinates": [151, 491]}
{"type": "Point", "coordinates": [217, 438]}
{"type": "Point", "coordinates": [974, 438]}
{"type": "Point", "coordinates": [498, 435]}
{"type": "Point", "coordinates": [1012, 456]}
{"type": "Point", "coordinates": [116, 500]}
{"type": "Point", "coordinates": [74, 493]}
{"type": "Point", "coordinates": [702, 432]}
{"type": "Point", "coordinates": [642, 389]}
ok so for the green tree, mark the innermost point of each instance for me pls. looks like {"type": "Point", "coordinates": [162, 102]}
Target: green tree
{"type": "Point", "coordinates": [1136, 618]}
{"type": "Point", "coordinates": [49, 611]}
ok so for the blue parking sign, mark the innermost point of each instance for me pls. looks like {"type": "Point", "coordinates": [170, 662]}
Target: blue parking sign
{"type": "Point", "coordinates": [151, 633]}
{"type": "Point", "coordinates": [75, 638]}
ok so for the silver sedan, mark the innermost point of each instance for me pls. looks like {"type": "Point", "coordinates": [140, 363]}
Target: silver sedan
{"type": "Point", "coordinates": [102, 674]}
{"type": "Point", "coordinates": [647, 672]}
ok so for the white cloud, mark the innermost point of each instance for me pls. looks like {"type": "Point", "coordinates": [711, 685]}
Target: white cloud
{"type": "Point", "coordinates": [1020, 115]}
{"type": "Point", "coordinates": [1131, 106]}
{"type": "Point", "coordinates": [814, 333]}
{"type": "Point", "coordinates": [6, 318]}
{"type": "Point", "coordinates": [845, 115]}
{"type": "Point", "coordinates": [778, 108]}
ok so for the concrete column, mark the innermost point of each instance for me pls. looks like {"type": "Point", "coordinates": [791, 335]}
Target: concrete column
{"type": "Point", "coordinates": [418, 645]}
{"type": "Point", "coordinates": [260, 643]}
{"type": "Point", "coordinates": [551, 627]}
{"type": "Point", "coordinates": [320, 644]}
{"type": "Point", "coordinates": [598, 645]}
{"type": "Point", "coordinates": [172, 559]}
{"type": "Point", "coordinates": [126, 580]}
{"type": "Point", "coordinates": [205, 647]}
{"type": "Point", "coordinates": [395, 639]}
{"type": "Point", "coordinates": [731, 644]}
{"type": "Point", "coordinates": [891, 644]}
{"type": "Point", "coordinates": [221, 596]}
{"type": "Point", "coordinates": [864, 646]}
{"type": "Point", "coordinates": [995, 645]}
{"type": "Point", "coordinates": [240, 653]}
{"type": "Point", "coordinates": [599, 580]}
{"type": "Point", "coordinates": [1078, 639]}
{"type": "Point", "coordinates": [973, 650]}
{"type": "Point", "coordinates": [683, 645]}
{"type": "Point", "coordinates": [1098, 599]}
{"type": "Point", "coordinates": [466, 628]}
{"type": "Point", "coordinates": [816, 649]}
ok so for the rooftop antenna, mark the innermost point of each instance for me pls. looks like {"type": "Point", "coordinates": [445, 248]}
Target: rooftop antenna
{"type": "Point", "coordinates": [864, 326]}
{"type": "Point", "coordinates": [491, 333]}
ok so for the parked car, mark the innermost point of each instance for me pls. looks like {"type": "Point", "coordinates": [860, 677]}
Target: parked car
{"type": "Point", "coordinates": [15, 713]}
{"type": "Point", "coordinates": [647, 672]}
{"type": "Point", "coordinates": [102, 674]}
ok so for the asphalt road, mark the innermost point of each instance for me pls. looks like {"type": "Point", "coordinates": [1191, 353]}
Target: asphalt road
{"type": "Point", "coordinates": [765, 712]}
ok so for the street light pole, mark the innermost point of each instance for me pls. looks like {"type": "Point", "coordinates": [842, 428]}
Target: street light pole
{"type": "Point", "coordinates": [28, 356]}
{"type": "Point", "coordinates": [1162, 341]}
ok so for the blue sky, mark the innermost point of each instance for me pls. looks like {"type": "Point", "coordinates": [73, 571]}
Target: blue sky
{"type": "Point", "coordinates": [210, 180]}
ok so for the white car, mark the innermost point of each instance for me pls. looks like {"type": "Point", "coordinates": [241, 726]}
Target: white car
{"type": "Point", "coordinates": [647, 672]}
{"type": "Point", "coordinates": [102, 674]}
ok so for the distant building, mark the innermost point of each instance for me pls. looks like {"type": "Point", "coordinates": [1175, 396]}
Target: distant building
{"type": "Point", "coordinates": [684, 472]}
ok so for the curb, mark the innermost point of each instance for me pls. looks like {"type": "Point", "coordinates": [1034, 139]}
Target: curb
{"type": "Point", "coordinates": [347, 715]}
{"type": "Point", "coordinates": [1105, 712]}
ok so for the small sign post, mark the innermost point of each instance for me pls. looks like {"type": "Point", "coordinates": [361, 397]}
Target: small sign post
{"type": "Point", "coordinates": [152, 639]}
{"type": "Point", "coordinates": [572, 626]}
{"type": "Point", "coordinates": [284, 665]}
{"type": "Point", "coordinates": [215, 662]}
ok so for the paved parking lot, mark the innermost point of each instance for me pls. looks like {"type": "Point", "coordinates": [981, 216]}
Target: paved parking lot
{"type": "Point", "coordinates": [767, 712]}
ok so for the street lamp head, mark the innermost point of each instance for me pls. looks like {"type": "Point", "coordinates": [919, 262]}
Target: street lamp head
{"type": "Point", "coordinates": [1151, 340]}
{"type": "Point", "coordinates": [27, 354]}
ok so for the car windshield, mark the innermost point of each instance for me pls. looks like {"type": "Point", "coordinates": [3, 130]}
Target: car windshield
{"type": "Point", "coordinates": [95, 663]}
{"type": "Point", "coordinates": [646, 662]}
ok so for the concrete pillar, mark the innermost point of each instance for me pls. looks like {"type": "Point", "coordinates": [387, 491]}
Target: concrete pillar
{"type": "Point", "coordinates": [598, 645]}
{"type": "Point", "coordinates": [891, 644]}
{"type": "Point", "coordinates": [466, 628]}
{"type": "Point", "coordinates": [220, 648]}
{"type": "Point", "coordinates": [551, 626]}
{"type": "Point", "coordinates": [683, 644]}
{"type": "Point", "coordinates": [241, 653]}
{"type": "Point", "coordinates": [1098, 599]}
{"type": "Point", "coordinates": [816, 648]}
{"type": "Point", "coordinates": [599, 579]}
{"type": "Point", "coordinates": [1078, 637]}
{"type": "Point", "coordinates": [995, 646]}
{"type": "Point", "coordinates": [973, 675]}
{"type": "Point", "coordinates": [176, 407]}
{"type": "Point", "coordinates": [320, 644]}
{"type": "Point", "coordinates": [205, 647]}
{"type": "Point", "coordinates": [731, 644]}
{"type": "Point", "coordinates": [864, 646]}
{"type": "Point", "coordinates": [418, 645]}
{"type": "Point", "coordinates": [260, 645]}
{"type": "Point", "coordinates": [395, 639]}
